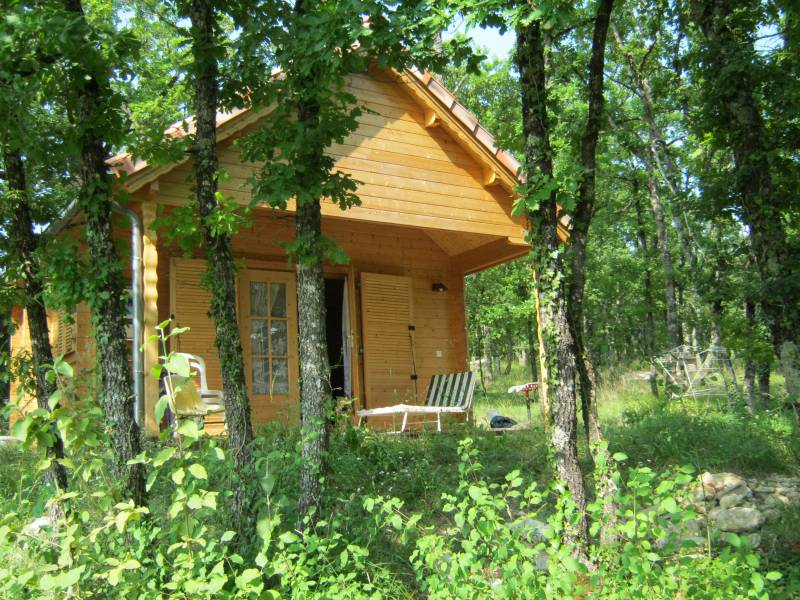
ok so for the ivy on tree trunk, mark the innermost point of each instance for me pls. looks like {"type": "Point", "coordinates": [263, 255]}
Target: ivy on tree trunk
{"type": "Point", "coordinates": [106, 298]}
{"type": "Point", "coordinates": [548, 261]}
{"type": "Point", "coordinates": [24, 240]}
{"type": "Point", "coordinates": [221, 274]}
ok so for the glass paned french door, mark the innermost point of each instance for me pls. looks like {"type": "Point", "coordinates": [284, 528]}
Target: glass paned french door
{"type": "Point", "coordinates": [270, 333]}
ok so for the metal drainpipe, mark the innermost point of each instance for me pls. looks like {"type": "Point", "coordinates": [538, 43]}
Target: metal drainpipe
{"type": "Point", "coordinates": [138, 309]}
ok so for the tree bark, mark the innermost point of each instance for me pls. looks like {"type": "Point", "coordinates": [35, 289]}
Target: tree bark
{"type": "Point", "coordinates": [581, 221]}
{"type": "Point", "coordinates": [673, 329]}
{"type": "Point", "coordinates": [6, 329]}
{"type": "Point", "coordinates": [533, 355]}
{"type": "Point", "coordinates": [763, 372]}
{"type": "Point", "coordinates": [23, 238]}
{"type": "Point", "coordinates": [650, 327]}
{"type": "Point", "coordinates": [750, 390]}
{"type": "Point", "coordinates": [107, 299]}
{"type": "Point", "coordinates": [221, 269]}
{"type": "Point", "coordinates": [315, 388]}
{"type": "Point", "coordinates": [550, 283]}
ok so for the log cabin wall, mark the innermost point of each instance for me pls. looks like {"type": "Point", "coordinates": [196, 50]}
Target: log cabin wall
{"type": "Point", "coordinates": [440, 338]}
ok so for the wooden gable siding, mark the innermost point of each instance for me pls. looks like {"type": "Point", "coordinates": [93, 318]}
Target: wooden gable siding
{"type": "Point", "coordinates": [409, 174]}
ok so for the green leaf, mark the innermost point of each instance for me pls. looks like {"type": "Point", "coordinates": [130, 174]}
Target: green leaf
{"type": "Point", "coordinates": [178, 476]}
{"type": "Point", "coordinates": [620, 456]}
{"type": "Point", "coordinates": [246, 577]}
{"type": "Point", "coordinates": [669, 505]}
{"type": "Point", "coordinates": [54, 399]}
{"type": "Point", "coordinates": [161, 408]}
{"type": "Point", "coordinates": [163, 456]}
{"type": "Point", "coordinates": [64, 369]}
{"type": "Point", "coordinates": [198, 471]}
{"type": "Point", "coordinates": [773, 575]}
{"type": "Point", "coordinates": [21, 427]}
{"type": "Point", "coordinates": [179, 365]}
{"type": "Point", "coordinates": [189, 429]}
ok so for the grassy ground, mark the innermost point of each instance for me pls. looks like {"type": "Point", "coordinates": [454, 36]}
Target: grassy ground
{"type": "Point", "coordinates": [419, 469]}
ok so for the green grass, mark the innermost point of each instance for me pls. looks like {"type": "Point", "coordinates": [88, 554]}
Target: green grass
{"type": "Point", "coordinates": [418, 469]}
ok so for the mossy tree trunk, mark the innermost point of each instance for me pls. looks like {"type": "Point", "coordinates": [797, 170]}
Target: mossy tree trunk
{"type": "Point", "coordinates": [221, 274]}
{"type": "Point", "coordinates": [23, 239]}
{"type": "Point", "coordinates": [315, 390]}
{"type": "Point", "coordinates": [548, 263]}
{"type": "Point", "coordinates": [106, 298]}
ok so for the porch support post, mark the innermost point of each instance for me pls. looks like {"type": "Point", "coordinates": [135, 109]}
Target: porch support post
{"type": "Point", "coordinates": [150, 266]}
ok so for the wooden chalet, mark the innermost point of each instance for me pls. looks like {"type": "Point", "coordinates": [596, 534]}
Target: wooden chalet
{"type": "Point", "coordinates": [436, 201]}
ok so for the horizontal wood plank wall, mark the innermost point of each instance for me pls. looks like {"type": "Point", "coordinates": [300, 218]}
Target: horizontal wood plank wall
{"type": "Point", "coordinates": [409, 173]}
{"type": "Point", "coordinates": [82, 359]}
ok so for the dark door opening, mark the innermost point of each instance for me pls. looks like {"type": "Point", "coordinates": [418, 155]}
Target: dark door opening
{"type": "Point", "coordinates": [334, 329]}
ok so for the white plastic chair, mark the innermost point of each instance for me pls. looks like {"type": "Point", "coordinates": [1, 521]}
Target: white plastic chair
{"type": "Point", "coordinates": [189, 400]}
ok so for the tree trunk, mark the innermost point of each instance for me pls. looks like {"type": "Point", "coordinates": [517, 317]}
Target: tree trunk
{"type": "Point", "coordinates": [658, 154]}
{"type": "Point", "coordinates": [581, 221]}
{"type": "Point", "coordinates": [221, 270]}
{"type": "Point", "coordinates": [763, 372]}
{"type": "Point", "coordinates": [107, 300]}
{"type": "Point", "coordinates": [315, 390]}
{"type": "Point", "coordinates": [533, 355]}
{"type": "Point", "coordinates": [750, 364]}
{"type": "Point", "coordinates": [550, 283]}
{"type": "Point", "coordinates": [24, 241]}
{"type": "Point", "coordinates": [650, 326]}
{"type": "Point", "coordinates": [673, 331]}
{"type": "Point", "coordinates": [6, 329]}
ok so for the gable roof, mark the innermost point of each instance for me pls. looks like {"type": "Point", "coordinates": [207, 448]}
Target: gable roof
{"type": "Point", "coordinates": [441, 106]}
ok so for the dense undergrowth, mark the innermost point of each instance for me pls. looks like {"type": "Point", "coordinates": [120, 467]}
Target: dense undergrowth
{"type": "Point", "coordinates": [466, 513]}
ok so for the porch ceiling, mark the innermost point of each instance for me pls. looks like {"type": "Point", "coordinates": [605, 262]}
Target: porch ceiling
{"type": "Point", "coordinates": [471, 252]}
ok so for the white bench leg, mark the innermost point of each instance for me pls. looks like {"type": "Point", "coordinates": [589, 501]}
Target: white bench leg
{"type": "Point", "coordinates": [405, 421]}
{"type": "Point", "coordinates": [360, 418]}
{"type": "Point", "coordinates": [438, 421]}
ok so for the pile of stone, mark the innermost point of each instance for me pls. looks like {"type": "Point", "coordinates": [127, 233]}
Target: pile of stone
{"type": "Point", "coordinates": [735, 504]}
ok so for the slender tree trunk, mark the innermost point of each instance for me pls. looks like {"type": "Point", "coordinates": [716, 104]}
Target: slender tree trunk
{"type": "Point", "coordinates": [6, 329]}
{"type": "Point", "coordinates": [650, 327]}
{"type": "Point", "coordinates": [548, 263]}
{"type": "Point", "coordinates": [749, 384]}
{"type": "Point", "coordinates": [659, 154]}
{"type": "Point", "coordinates": [533, 355]}
{"type": "Point", "coordinates": [315, 391]}
{"type": "Point", "coordinates": [24, 240]}
{"type": "Point", "coordinates": [581, 221]}
{"type": "Point", "coordinates": [673, 331]}
{"type": "Point", "coordinates": [763, 372]}
{"type": "Point", "coordinates": [221, 269]}
{"type": "Point", "coordinates": [107, 300]}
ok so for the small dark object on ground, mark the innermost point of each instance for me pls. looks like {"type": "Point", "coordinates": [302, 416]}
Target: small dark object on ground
{"type": "Point", "coordinates": [501, 422]}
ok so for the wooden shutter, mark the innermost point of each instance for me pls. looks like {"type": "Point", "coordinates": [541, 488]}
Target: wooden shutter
{"type": "Point", "coordinates": [386, 313]}
{"type": "Point", "coordinates": [63, 333]}
{"type": "Point", "coordinates": [189, 305]}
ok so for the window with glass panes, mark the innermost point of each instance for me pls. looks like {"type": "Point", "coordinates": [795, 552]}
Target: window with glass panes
{"type": "Point", "coordinates": [269, 338]}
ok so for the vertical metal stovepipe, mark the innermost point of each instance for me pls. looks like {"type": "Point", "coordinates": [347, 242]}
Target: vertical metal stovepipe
{"type": "Point", "coordinates": [138, 309]}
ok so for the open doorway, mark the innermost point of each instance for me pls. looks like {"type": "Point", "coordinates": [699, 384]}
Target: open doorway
{"type": "Point", "coordinates": [336, 328]}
